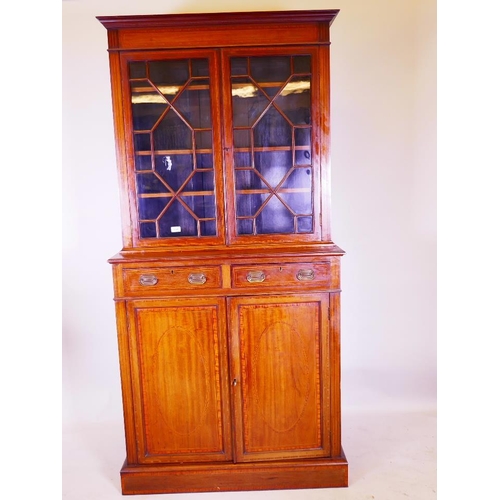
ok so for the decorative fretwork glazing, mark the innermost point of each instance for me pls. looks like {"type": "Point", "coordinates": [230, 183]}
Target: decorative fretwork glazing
{"type": "Point", "coordinates": [173, 148]}
{"type": "Point", "coordinates": [271, 98]}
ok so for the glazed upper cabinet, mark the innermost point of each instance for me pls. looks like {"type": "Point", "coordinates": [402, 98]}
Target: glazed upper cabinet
{"type": "Point", "coordinates": [223, 145]}
{"type": "Point", "coordinates": [227, 288]}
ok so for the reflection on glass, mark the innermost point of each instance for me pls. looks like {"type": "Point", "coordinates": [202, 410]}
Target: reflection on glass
{"type": "Point", "coordinates": [174, 169]}
{"type": "Point", "coordinates": [273, 165]}
{"type": "Point", "coordinates": [299, 203]}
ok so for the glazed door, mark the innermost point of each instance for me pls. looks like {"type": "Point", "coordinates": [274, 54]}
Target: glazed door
{"type": "Point", "coordinates": [180, 381]}
{"type": "Point", "coordinates": [174, 147]}
{"type": "Point", "coordinates": [280, 376]}
{"type": "Point", "coordinates": [273, 154]}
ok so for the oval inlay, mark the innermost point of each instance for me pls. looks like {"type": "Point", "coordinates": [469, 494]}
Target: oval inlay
{"type": "Point", "coordinates": [180, 371]}
{"type": "Point", "coordinates": [281, 376]}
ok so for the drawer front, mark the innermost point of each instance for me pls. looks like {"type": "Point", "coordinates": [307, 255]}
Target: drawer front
{"type": "Point", "coordinates": [305, 274]}
{"type": "Point", "coordinates": [165, 279]}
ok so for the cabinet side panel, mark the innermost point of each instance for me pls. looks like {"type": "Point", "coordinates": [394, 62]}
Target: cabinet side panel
{"type": "Point", "coordinates": [120, 141]}
{"type": "Point", "coordinates": [324, 142]}
{"type": "Point", "coordinates": [335, 368]}
{"type": "Point", "coordinates": [126, 382]}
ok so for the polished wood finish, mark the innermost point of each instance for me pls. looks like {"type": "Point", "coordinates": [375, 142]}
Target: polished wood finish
{"type": "Point", "coordinates": [179, 377]}
{"type": "Point", "coordinates": [318, 473]}
{"type": "Point", "coordinates": [228, 311]}
{"type": "Point", "coordinates": [279, 347]}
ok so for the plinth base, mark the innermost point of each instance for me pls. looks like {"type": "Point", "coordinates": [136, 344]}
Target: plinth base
{"type": "Point", "coordinates": [146, 479]}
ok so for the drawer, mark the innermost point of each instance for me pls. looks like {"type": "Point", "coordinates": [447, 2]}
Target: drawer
{"type": "Point", "coordinates": [165, 279]}
{"type": "Point", "coordinates": [305, 274]}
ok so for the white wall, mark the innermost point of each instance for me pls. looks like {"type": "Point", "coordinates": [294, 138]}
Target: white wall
{"type": "Point", "coordinates": [384, 190]}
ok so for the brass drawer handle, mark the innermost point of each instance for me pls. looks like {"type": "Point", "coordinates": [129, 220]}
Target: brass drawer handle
{"type": "Point", "coordinates": [197, 279]}
{"type": "Point", "coordinates": [305, 275]}
{"type": "Point", "coordinates": [256, 276]}
{"type": "Point", "coordinates": [148, 280]}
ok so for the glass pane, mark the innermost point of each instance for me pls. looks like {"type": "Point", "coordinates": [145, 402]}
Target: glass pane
{"type": "Point", "coordinates": [270, 69]}
{"type": "Point", "coordinates": [248, 179]}
{"type": "Point", "coordinates": [273, 130]}
{"type": "Point", "coordinates": [194, 104]}
{"type": "Point", "coordinates": [303, 158]}
{"type": "Point", "coordinates": [172, 133]}
{"type": "Point", "coordinates": [201, 181]}
{"type": "Point", "coordinates": [150, 184]}
{"type": "Point", "coordinates": [199, 67]}
{"type": "Point", "coordinates": [302, 64]}
{"type": "Point", "coordinates": [302, 136]}
{"type": "Point", "coordinates": [242, 138]}
{"type": "Point", "coordinates": [304, 224]}
{"type": "Point", "coordinates": [248, 102]}
{"type": "Point", "coordinates": [239, 66]}
{"type": "Point", "coordinates": [295, 100]}
{"type": "Point", "coordinates": [147, 105]}
{"type": "Point", "coordinates": [177, 221]}
{"type": "Point", "coordinates": [203, 139]}
{"type": "Point", "coordinates": [174, 169]}
{"type": "Point", "coordinates": [142, 142]}
{"type": "Point", "coordinates": [242, 159]}
{"type": "Point", "coordinates": [202, 206]}
{"type": "Point", "coordinates": [175, 72]}
{"type": "Point", "coordinates": [248, 204]}
{"type": "Point", "coordinates": [273, 165]}
{"type": "Point", "coordinates": [245, 226]}
{"type": "Point", "coordinates": [300, 203]}
{"type": "Point", "coordinates": [137, 69]}
{"type": "Point", "coordinates": [143, 162]}
{"type": "Point", "coordinates": [300, 178]}
{"type": "Point", "coordinates": [150, 208]}
{"type": "Point", "coordinates": [147, 229]}
{"type": "Point", "coordinates": [208, 228]}
{"type": "Point", "coordinates": [275, 218]}
{"type": "Point", "coordinates": [204, 161]}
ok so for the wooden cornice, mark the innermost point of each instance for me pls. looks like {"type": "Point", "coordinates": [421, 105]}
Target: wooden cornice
{"type": "Point", "coordinates": [218, 18]}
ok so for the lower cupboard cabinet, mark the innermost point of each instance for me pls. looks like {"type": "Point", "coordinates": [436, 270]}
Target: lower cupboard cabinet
{"type": "Point", "coordinates": [230, 393]}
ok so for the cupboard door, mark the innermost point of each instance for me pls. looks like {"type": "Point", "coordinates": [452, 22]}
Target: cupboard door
{"type": "Point", "coordinates": [180, 382]}
{"type": "Point", "coordinates": [280, 371]}
{"type": "Point", "coordinates": [273, 154]}
{"type": "Point", "coordinates": [175, 149]}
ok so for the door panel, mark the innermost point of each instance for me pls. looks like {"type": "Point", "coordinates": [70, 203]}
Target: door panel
{"type": "Point", "coordinates": [176, 148]}
{"type": "Point", "coordinates": [180, 380]}
{"type": "Point", "coordinates": [280, 376]}
{"type": "Point", "coordinates": [272, 153]}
